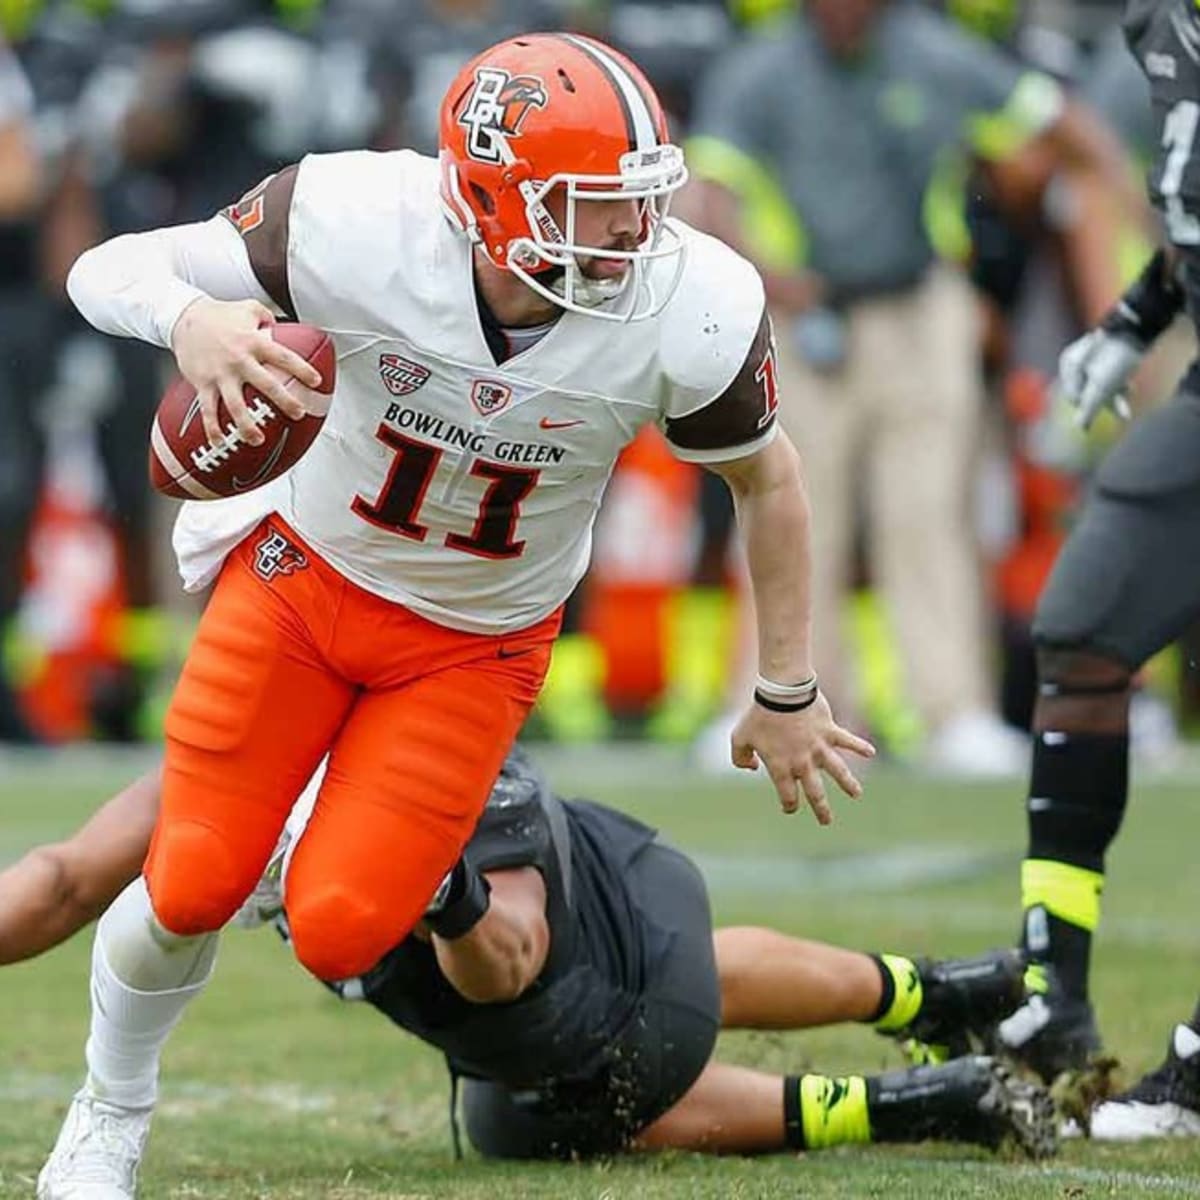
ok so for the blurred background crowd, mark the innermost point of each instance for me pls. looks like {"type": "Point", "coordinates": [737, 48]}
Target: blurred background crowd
{"type": "Point", "coordinates": [940, 194]}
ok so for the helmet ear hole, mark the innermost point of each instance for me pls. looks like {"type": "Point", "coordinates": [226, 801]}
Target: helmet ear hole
{"type": "Point", "coordinates": [483, 198]}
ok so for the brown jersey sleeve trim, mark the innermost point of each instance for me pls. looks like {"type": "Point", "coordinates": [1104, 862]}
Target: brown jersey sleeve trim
{"type": "Point", "coordinates": [263, 216]}
{"type": "Point", "coordinates": [744, 412]}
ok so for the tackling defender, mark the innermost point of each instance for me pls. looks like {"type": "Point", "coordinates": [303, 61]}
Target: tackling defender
{"type": "Point", "coordinates": [569, 971]}
{"type": "Point", "coordinates": [506, 319]}
{"type": "Point", "coordinates": [1126, 584]}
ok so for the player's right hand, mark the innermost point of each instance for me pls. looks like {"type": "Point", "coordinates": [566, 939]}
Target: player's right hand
{"type": "Point", "coordinates": [220, 346]}
{"type": "Point", "coordinates": [1094, 373]}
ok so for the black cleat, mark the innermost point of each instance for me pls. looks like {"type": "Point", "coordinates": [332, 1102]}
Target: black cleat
{"type": "Point", "coordinates": [962, 999]}
{"type": "Point", "coordinates": [975, 1099]}
{"type": "Point", "coordinates": [1051, 1032]}
{"type": "Point", "coordinates": [1164, 1103]}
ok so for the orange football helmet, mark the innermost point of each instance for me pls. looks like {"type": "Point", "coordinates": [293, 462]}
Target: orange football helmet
{"type": "Point", "coordinates": [557, 110]}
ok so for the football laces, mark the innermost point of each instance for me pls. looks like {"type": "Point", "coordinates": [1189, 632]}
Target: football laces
{"type": "Point", "coordinates": [209, 456]}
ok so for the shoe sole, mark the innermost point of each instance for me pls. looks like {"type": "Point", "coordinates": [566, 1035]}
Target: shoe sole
{"type": "Point", "coordinates": [1026, 1112]}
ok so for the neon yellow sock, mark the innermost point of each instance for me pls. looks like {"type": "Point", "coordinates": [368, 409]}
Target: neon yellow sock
{"type": "Point", "coordinates": [833, 1110]}
{"type": "Point", "coordinates": [1068, 892]}
{"type": "Point", "coordinates": [908, 995]}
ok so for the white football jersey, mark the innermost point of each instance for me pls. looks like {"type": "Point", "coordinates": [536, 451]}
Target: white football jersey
{"type": "Point", "coordinates": [462, 487]}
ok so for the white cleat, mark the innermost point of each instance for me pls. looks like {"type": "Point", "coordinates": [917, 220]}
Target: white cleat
{"type": "Point", "coordinates": [976, 745]}
{"type": "Point", "coordinates": [97, 1153]}
{"type": "Point", "coordinates": [1163, 1104]}
{"type": "Point", "coordinates": [1133, 1121]}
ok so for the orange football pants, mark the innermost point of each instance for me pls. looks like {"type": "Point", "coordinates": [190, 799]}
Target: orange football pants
{"type": "Point", "coordinates": [291, 662]}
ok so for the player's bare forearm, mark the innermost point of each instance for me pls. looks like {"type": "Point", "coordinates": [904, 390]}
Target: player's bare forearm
{"type": "Point", "coordinates": [773, 514]}
{"type": "Point", "coordinates": [788, 727]}
{"type": "Point", "coordinates": [1083, 142]}
{"type": "Point", "coordinates": [55, 890]}
{"type": "Point", "coordinates": [498, 959]}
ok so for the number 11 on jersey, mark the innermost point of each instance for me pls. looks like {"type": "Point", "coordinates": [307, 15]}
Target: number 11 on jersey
{"type": "Point", "coordinates": [397, 508]}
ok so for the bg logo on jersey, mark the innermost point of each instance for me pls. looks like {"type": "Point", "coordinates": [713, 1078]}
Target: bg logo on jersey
{"type": "Point", "coordinates": [490, 397]}
{"type": "Point", "coordinates": [275, 555]}
{"type": "Point", "coordinates": [401, 376]}
{"type": "Point", "coordinates": [496, 108]}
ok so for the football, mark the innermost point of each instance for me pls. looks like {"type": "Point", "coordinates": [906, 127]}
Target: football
{"type": "Point", "coordinates": [184, 465]}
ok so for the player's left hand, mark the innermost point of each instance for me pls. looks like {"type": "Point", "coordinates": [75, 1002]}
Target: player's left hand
{"type": "Point", "coordinates": [1094, 372]}
{"type": "Point", "coordinates": [796, 748]}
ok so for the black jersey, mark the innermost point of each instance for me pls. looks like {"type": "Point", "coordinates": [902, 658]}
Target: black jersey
{"type": "Point", "coordinates": [1164, 37]}
{"type": "Point", "coordinates": [601, 948]}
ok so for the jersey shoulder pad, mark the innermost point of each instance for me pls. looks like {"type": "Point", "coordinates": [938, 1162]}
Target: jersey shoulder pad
{"type": "Point", "coordinates": [356, 193]}
{"type": "Point", "coordinates": [354, 213]}
{"type": "Point", "coordinates": [709, 323]}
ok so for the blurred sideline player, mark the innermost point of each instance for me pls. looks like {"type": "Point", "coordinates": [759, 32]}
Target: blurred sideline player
{"type": "Point", "coordinates": [1125, 585]}
{"type": "Point", "coordinates": [568, 970]}
{"type": "Point", "coordinates": [506, 320]}
{"type": "Point", "coordinates": [23, 365]}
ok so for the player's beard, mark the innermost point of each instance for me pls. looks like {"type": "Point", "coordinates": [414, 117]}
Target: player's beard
{"type": "Point", "coordinates": [600, 269]}
{"type": "Point", "coordinates": [599, 279]}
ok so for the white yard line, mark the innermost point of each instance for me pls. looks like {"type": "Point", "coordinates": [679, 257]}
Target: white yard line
{"type": "Point", "coordinates": [857, 880]}
{"type": "Point", "coordinates": [180, 1098]}
{"type": "Point", "coordinates": [895, 869]}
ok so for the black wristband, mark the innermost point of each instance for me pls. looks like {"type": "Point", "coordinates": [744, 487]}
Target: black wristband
{"type": "Point", "coordinates": [1149, 305]}
{"type": "Point", "coordinates": [469, 898]}
{"type": "Point", "coordinates": [781, 706]}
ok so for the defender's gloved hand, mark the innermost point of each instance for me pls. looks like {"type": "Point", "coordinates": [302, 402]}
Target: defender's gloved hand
{"type": "Point", "coordinates": [1094, 371]}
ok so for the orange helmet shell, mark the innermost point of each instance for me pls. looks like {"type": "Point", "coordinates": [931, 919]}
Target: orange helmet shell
{"type": "Point", "coordinates": [528, 109]}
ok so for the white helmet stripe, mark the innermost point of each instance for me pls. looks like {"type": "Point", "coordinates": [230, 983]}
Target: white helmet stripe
{"type": "Point", "coordinates": [645, 135]}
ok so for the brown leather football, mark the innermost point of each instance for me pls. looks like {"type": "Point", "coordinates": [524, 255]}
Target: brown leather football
{"type": "Point", "coordinates": [183, 464]}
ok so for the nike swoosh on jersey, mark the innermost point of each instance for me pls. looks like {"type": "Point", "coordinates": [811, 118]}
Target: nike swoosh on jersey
{"type": "Point", "coordinates": [546, 423]}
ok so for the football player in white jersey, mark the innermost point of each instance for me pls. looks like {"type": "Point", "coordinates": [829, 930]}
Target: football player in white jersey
{"type": "Point", "coordinates": [506, 319]}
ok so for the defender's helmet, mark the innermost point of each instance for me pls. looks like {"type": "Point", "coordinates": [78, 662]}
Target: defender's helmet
{"type": "Point", "coordinates": [547, 111]}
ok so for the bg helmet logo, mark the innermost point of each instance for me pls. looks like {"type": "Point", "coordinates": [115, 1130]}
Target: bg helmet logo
{"type": "Point", "coordinates": [496, 108]}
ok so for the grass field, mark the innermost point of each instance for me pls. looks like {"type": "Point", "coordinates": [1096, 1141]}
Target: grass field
{"type": "Point", "coordinates": [272, 1089]}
